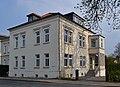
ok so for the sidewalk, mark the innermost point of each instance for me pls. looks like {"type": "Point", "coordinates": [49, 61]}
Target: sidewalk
{"type": "Point", "coordinates": [81, 82]}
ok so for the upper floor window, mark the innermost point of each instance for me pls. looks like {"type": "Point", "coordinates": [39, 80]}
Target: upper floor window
{"type": "Point", "coordinates": [16, 41]}
{"type": "Point", "coordinates": [102, 43]}
{"type": "Point", "coordinates": [23, 40]}
{"type": "Point", "coordinates": [82, 40]}
{"type": "Point", "coordinates": [37, 36]}
{"type": "Point", "coordinates": [93, 42]}
{"type": "Point", "coordinates": [67, 36]}
{"type": "Point", "coordinates": [46, 32]}
{"type": "Point", "coordinates": [37, 60]}
{"type": "Point", "coordinates": [46, 59]}
{"type": "Point", "coordinates": [5, 49]}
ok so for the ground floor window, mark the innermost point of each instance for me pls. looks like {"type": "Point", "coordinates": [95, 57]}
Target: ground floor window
{"type": "Point", "coordinates": [82, 61]}
{"type": "Point", "coordinates": [68, 60]}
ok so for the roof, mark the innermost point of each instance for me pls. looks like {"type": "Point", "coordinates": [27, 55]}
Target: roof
{"type": "Point", "coordinates": [49, 15]}
{"type": "Point", "coordinates": [34, 15]}
{"type": "Point", "coordinates": [3, 37]}
{"type": "Point", "coordinates": [97, 35]}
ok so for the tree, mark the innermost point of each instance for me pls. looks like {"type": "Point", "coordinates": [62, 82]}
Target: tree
{"type": "Point", "coordinates": [117, 50]}
{"type": "Point", "coordinates": [95, 11]}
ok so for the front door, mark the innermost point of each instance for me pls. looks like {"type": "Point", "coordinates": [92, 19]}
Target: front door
{"type": "Point", "coordinates": [91, 64]}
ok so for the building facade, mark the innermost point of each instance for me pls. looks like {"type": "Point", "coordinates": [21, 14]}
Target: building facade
{"type": "Point", "coordinates": [55, 45]}
{"type": "Point", "coordinates": [4, 50]}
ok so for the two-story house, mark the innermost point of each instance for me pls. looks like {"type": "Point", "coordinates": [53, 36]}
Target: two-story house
{"type": "Point", "coordinates": [55, 45]}
{"type": "Point", "coordinates": [4, 50]}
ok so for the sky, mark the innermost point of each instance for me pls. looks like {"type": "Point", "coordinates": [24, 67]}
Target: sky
{"type": "Point", "coordinates": [13, 12]}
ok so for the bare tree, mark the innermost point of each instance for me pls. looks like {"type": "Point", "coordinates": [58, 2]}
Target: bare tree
{"type": "Point", "coordinates": [95, 11]}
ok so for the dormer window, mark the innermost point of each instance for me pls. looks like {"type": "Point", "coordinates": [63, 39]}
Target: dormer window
{"type": "Point", "coordinates": [33, 16]}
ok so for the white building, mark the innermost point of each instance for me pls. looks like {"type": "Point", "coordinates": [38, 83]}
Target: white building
{"type": "Point", "coordinates": [55, 45]}
{"type": "Point", "coordinates": [4, 50]}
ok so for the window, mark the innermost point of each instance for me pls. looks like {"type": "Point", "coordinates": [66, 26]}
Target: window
{"type": "Point", "coordinates": [37, 60]}
{"type": "Point", "coordinates": [70, 60]}
{"type": "Point", "coordinates": [65, 59]}
{"type": "Point", "coordinates": [81, 40]}
{"type": "Point", "coordinates": [67, 36]}
{"type": "Point", "coordinates": [23, 61]}
{"type": "Point", "coordinates": [8, 47]}
{"type": "Point", "coordinates": [84, 41]}
{"type": "Point", "coordinates": [47, 59]}
{"type": "Point", "coordinates": [93, 42]}
{"type": "Point", "coordinates": [16, 42]}
{"type": "Point", "coordinates": [16, 61]}
{"type": "Point", "coordinates": [102, 43]}
{"type": "Point", "coordinates": [70, 37]}
{"type": "Point", "coordinates": [46, 35]}
{"type": "Point", "coordinates": [37, 34]}
{"type": "Point", "coordinates": [5, 49]}
{"type": "Point", "coordinates": [82, 61]}
{"type": "Point", "coordinates": [23, 40]}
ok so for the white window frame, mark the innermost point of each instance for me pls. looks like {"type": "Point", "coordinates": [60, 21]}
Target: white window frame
{"type": "Point", "coordinates": [16, 41]}
{"type": "Point", "coordinates": [82, 61]}
{"type": "Point", "coordinates": [101, 43]}
{"type": "Point", "coordinates": [65, 36]}
{"type": "Point", "coordinates": [47, 60]}
{"type": "Point", "coordinates": [23, 61]}
{"type": "Point", "coordinates": [93, 44]}
{"type": "Point", "coordinates": [65, 60]}
{"type": "Point", "coordinates": [5, 48]}
{"type": "Point", "coordinates": [84, 41]}
{"type": "Point", "coordinates": [16, 61]}
{"type": "Point", "coordinates": [23, 40]}
{"type": "Point", "coordinates": [71, 60]}
{"type": "Point", "coordinates": [68, 36]}
{"type": "Point", "coordinates": [46, 35]}
{"type": "Point", "coordinates": [37, 61]}
{"type": "Point", "coordinates": [37, 37]}
{"type": "Point", "coordinates": [80, 39]}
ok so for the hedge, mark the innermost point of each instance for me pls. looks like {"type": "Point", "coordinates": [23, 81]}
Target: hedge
{"type": "Point", "coordinates": [113, 72]}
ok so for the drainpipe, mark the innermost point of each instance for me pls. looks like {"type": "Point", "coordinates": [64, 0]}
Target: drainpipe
{"type": "Point", "coordinates": [59, 46]}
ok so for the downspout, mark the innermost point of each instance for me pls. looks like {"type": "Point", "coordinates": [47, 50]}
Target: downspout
{"type": "Point", "coordinates": [59, 46]}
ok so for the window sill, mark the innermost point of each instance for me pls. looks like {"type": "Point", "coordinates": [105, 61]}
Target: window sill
{"type": "Point", "coordinates": [82, 66]}
{"type": "Point", "coordinates": [46, 67]}
{"type": "Point", "coordinates": [68, 43]}
{"type": "Point", "coordinates": [22, 68]}
{"type": "Point", "coordinates": [68, 66]}
{"type": "Point", "coordinates": [22, 47]}
{"type": "Point", "coordinates": [36, 67]}
{"type": "Point", "coordinates": [46, 43]}
{"type": "Point", "coordinates": [37, 44]}
{"type": "Point", "coordinates": [15, 68]}
{"type": "Point", "coordinates": [15, 48]}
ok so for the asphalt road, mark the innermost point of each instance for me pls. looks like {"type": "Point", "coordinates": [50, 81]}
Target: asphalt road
{"type": "Point", "coordinates": [13, 83]}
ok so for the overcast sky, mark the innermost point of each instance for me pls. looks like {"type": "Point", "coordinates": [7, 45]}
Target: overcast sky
{"type": "Point", "coordinates": [13, 12]}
